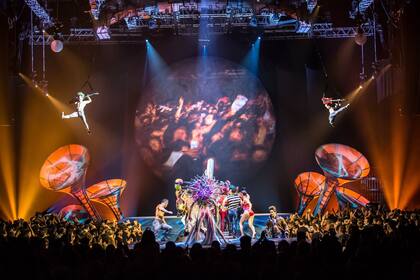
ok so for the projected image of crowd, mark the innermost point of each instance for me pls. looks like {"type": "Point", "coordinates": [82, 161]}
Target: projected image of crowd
{"type": "Point", "coordinates": [367, 243]}
{"type": "Point", "coordinates": [184, 132]}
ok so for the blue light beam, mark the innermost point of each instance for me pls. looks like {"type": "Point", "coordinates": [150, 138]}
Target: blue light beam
{"type": "Point", "coordinates": [252, 59]}
{"type": "Point", "coordinates": [154, 64]}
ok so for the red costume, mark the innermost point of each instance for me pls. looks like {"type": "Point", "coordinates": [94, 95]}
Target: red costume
{"type": "Point", "coordinates": [327, 100]}
{"type": "Point", "coordinates": [222, 213]}
{"type": "Point", "coordinates": [247, 207]}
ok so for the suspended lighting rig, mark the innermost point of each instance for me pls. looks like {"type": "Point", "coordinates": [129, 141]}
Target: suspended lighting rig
{"type": "Point", "coordinates": [121, 36]}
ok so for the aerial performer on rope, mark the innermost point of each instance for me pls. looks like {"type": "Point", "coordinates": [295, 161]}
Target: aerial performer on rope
{"type": "Point", "coordinates": [334, 107]}
{"type": "Point", "coordinates": [80, 101]}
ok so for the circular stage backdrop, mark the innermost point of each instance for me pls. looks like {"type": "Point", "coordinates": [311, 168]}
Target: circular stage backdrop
{"type": "Point", "coordinates": [205, 108]}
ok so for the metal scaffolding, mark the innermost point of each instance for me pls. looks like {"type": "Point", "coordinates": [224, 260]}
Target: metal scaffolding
{"type": "Point", "coordinates": [40, 12]}
{"type": "Point", "coordinates": [88, 35]}
{"type": "Point", "coordinates": [360, 7]}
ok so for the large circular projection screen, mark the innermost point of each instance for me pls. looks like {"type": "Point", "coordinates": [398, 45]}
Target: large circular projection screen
{"type": "Point", "coordinates": [205, 108]}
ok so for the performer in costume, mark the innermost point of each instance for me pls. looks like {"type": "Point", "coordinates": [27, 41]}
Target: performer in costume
{"type": "Point", "coordinates": [334, 108]}
{"type": "Point", "coordinates": [232, 202]}
{"type": "Point", "coordinates": [159, 223]}
{"type": "Point", "coordinates": [271, 226]}
{"type": "Point", "coordinates": [247, 214]}
{"type": "Point", "coordinates": [180, 204]}
{"type": "Point", "coordinates": [223, 212]}
{"type": "Point", "coordinates": [276, 226]}
{"type": "Point", "coordinates": [80, 101]}
{"type": "Point", "coordinates": [183, 201]}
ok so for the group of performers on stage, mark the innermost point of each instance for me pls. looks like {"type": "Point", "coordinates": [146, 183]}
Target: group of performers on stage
{"type": "Point", "coordinates": [234, 208]}
{"type": "Point", "coordinates": [231, 209]}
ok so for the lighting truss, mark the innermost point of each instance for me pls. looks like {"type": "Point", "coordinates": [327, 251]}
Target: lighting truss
{"type": "Point", "coordinates": [95, 7]}
{"type": "Point", "coordinates": [311, 5]}
{"type": "Point", "coordinates": [210, 20]}
{"type": "Point", "coordinates": [323, 30]}
{"type": "Point", "coordinates": [40, 12]}
{"type": "Point", "coordinates": [318, 30]}
{"type": "Point", "coordinates": [360, 6]}
{"type": "Point", "coordinates": [364, 5]}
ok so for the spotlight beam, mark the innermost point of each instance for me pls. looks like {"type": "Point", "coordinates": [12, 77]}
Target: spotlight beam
{"type": "Point", "coordinates": [154, 60]}
{"type": "Point", "coordinates": [394, 152]}
{"type": "Point", "coordinates": [7, 163]}
{"type": "Point", "coordinates": [252, 59]}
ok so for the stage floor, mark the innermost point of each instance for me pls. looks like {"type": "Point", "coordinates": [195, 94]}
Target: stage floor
{"type": "Point", "coordinates": [178, 227]}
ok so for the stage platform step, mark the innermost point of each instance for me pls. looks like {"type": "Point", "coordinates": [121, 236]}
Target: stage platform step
{"type": "Point", "coordinates": [178, 227]}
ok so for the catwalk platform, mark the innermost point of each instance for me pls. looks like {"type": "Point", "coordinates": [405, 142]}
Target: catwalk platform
{"type": "Point", "coordinates": [178, 227]}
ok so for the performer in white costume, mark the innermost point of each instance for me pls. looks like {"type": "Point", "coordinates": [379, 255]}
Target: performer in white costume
{"type": "Point", "coordinates": [80, 101]}
{"type": "Point", "coordinates": [334, 107]}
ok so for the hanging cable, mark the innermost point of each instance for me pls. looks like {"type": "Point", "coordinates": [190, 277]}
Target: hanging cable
{"type": "Point", "coordinates": [362, 73]}
{"type": "Point", "coordinates": [32, 44]}
{"type": "Point", "coordinates": [92, 63]}
{"type": "Point", "coordinates": [43, 52]}
{"type": "Point", "coordinates": [325, 73]}
{"type": "Point", "coordinates": [374, 32]}
{"type": "Point", "coordinates": [324, 69]}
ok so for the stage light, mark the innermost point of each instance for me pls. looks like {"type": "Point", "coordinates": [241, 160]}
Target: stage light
{"type": "Point", "coordinates": [56, 46]}
{"type": "Point", "coordinates": [147, 41]}
{"type": "Point", "coordinates": [103, 33]}
{"type": "Point", "coordinates": [360, 37]}
{"type": "Point", "coordinates": [259, 38]}
{"type": "Point", "coordinates": [152, 24]}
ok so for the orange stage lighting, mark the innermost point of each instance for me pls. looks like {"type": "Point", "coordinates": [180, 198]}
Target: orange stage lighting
{"type": "Point", "coordinates": [7, 162]}
{"type": "Point", "coordinates": [60, 106]}
{"type": "Point", "coordinates": [33, 85]}
{"type": "Point", "coordinates": [394, 149]}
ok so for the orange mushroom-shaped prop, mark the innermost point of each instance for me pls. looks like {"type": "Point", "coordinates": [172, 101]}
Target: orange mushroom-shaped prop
{"type": "Point", "coordinates": [338, 162]}
{"type": "Point", "coordinates": [108, 192]}
{"type": "Point", "coordinates": [65, 171]}
{"type": "Point", "coordinates": [347, 196]}
{"type": "Point", "coordinates": [308, 185]}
